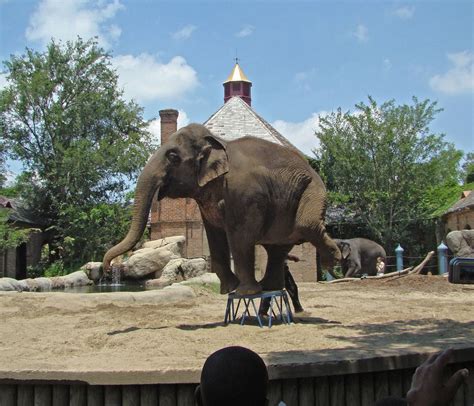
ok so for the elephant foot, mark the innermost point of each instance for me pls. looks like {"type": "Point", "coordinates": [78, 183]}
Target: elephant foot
{"type": "Point", "coordinates": [248, 288]}
{"type": "Point", "coordinates": [229, 284]}
{"type": "Point", "coordinates": [299, 309]}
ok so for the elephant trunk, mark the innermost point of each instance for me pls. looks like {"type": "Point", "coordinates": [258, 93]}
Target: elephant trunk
{"type": "Point", "coordinates": [147, 185]}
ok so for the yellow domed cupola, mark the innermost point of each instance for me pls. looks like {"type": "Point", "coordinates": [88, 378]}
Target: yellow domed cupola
{"type": "Point", "coordinates": [237, 84]}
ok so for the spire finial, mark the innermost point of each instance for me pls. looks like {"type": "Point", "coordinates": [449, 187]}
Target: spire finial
{"type": "Point", "coordinates": [236, 60]}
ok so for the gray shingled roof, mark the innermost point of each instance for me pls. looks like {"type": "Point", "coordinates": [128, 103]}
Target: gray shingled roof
{"type": "Point", "coordinates": [462, 204]}
{"type": "Point", "coordinates": [236, 119]}
{"type": "Point", "coordinates": [19, 213]}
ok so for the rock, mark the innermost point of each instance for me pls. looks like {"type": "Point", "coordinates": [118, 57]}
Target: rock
{"type": "Point", "coordinates": [461, 243]}
{"type": "Point", "coordinates": [147, 261]}
{"type": "Point", "coordinates": [93, 270]}
{"type": "Point", "coordinates": [9, 284]}
{"type": "Point", "coordinates": [207, 278]}
{"type": "Point", "coordinates": [23, 285]}
{"type": "Point", "coordinates": [177, 270]}
{"type": "Point", "coordinates": [44, 284]}
{"type": "Point", "coordinates": [78, 278]}
{"type": "Point", "coordinates": [165, 241]}
{"type": "Point", "coordinates": [32, 285]}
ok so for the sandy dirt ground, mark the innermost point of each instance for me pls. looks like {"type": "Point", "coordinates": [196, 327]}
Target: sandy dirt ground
{"type": "Point", "coordinates": [65, 332]}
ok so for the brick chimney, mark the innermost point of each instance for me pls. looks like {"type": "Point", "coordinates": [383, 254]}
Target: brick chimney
{"type": "Point", "coordinates": [169, 123]}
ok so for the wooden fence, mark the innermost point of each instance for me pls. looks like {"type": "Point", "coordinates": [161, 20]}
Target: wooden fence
{"type": "Point", "coordinates": [358, 389]}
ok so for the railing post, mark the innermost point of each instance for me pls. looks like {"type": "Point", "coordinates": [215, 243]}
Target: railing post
{"type": "Point", "coordinates": [442, 259]}
{"type": "Point", "coordinates": [399, 255]}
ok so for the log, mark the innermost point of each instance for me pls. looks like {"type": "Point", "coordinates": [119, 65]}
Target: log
{"type": "Point", "coordinates": [422, 264]}
{"type": "Point", "coordinates": [407, 271]}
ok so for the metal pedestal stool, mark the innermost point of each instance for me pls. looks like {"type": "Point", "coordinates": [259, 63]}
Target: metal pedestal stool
{"type": "Point", "coordinates": [279, 307]}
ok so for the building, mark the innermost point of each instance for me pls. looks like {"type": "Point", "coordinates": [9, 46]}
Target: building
{"type": "Point", "coordinates": [233, 120]}
{"type": "Point", "coordinates": [460, 216]}
{"type": "Point", "coordinates": [14, 261]}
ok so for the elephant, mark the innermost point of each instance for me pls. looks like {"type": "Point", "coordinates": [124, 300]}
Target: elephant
{"type": "Point", "coordinates": [360, 255]}
{"type": "Point", "coordinates": [249, 191]}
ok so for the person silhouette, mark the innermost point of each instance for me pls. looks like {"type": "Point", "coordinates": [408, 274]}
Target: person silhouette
{"type": "Point", "coordinates": [233, 376]}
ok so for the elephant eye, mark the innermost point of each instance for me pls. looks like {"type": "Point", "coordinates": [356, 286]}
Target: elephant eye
{"type": "Point", "coordinates": [173, 157]}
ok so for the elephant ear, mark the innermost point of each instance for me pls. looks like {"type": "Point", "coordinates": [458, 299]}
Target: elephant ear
{"type": "Point", "coordinates": [346, 250]}
{"type": "Point", "coordinates": [212, 160]}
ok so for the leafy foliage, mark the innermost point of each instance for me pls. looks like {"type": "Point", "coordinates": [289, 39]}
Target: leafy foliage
{"type": "Point", "coordinates": [468, 168]}
{"type": "Point", "coordinates": [381, 160]}
{"type": "Point", "coordinates": [64, 117]}
{"type": "Point", "coordinates": [10, 237]}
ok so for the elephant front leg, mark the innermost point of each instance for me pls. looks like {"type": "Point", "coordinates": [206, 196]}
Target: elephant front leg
{"type": "Point", "coordinates": [353, 268]}
{"type": "Point", "coordinates": [243, 254]}
{"type": "Point", "coordinates": [220, 258]}
{"type": "Point", "coordinates": [274, 278]}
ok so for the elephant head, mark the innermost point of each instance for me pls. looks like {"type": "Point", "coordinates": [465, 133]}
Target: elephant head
{"type": "Point", "coordinates": [189, 160]}
{"type": "Point", "coordinates": [345, 249]}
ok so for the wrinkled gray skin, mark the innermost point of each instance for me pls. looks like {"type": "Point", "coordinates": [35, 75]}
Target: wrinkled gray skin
{"type": "Point", "coordinates": [359, 255]}
{"type": "Point", "coordinates": [249, 191]}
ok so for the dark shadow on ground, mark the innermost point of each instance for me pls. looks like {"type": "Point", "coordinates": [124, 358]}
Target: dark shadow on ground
{"type": "Point", "coordinates": [132, 329]}
{"type": "Point", "coordinates": [380, 340]}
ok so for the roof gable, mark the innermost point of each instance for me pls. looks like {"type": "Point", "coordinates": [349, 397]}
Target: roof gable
{"type": "Point", "coordinates": [466, 202]}
{"type": "Point", "coordinates": [236, 119]}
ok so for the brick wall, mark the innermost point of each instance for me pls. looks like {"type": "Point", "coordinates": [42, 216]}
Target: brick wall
{"type": "Point", "coordinates": [303, 271]}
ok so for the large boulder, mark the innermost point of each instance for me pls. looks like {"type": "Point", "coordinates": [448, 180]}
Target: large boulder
{"type": "Point", "coordinates": [93, 270]}
{"type": "Point", "coordinates": [9, 284]}
{"type": "Point", "coordinates": [177, 270]}
{"type": "Point", "coordinates": [147, 261]}
{"type": "Point", "coordinates": [78, 278]}
{"type": "Point", "coordinates": [461, 243]}
{"type": "Point", "coordinates": [178, 239]}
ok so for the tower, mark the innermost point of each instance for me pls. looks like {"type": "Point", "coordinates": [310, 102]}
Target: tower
{"type": "Point", "coordinates": [237, 84]}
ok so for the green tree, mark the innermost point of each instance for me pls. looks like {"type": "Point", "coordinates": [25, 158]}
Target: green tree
{"type": "Point", "coordinates": [64, 117]}
{"type": "Point", "coordinates": [383, 159]}
{"type": "Point", "coordinates": [468, 168]}
{"type": "Point", "coordinates": [10, 237]}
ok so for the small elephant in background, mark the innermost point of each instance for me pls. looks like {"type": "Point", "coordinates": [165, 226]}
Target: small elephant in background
{"type": "Point", "coordinates": [361, 256]}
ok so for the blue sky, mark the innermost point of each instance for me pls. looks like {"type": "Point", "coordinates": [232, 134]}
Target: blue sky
{"type": "Point", "coordinates": [304, 58]}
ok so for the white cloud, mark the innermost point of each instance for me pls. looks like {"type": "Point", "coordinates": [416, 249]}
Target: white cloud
{"type": "Point", "coordinates": [361, 33]}
{"type": "Point", "coordinates": [67, 19]}
{"type": "Point", "coordinates": [301, 134]}
{"type": "Point", "coordinates": [303, 79]}
{"type": "Point", "coordinates": [405, 12]}
{"type": "Point", "coordinates": [154, 126]}
{"type": "Point", "coordinates": [458, 79]}
{"type": "Point", "coordinates": [143, 78]}
{"type": "Point", "coordinates": [184, 33]}
{"type": "Point", "coordinates": [245, 31]}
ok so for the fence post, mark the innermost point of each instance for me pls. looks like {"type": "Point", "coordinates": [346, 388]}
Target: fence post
{"type": "Point", "coordinates": [442, 259]}
{"type": "Point", "coordinates": [399, 255]}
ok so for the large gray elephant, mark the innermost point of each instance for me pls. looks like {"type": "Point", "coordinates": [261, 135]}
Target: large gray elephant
{"type": "Point", "coordinates": [360, 255]}
{"type": "Point", "coordinates": [249, 192]}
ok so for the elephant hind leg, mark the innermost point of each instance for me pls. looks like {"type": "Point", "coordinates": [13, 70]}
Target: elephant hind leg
{"type": "Point", "coordinates": [274, 278]}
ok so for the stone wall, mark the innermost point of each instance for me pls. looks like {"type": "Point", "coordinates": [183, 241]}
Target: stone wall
{"type": "Point", "coordinates": [460, 220]}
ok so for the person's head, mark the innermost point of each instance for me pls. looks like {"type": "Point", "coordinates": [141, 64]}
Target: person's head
{"type": "Point", "coordinates": [233, 376]}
